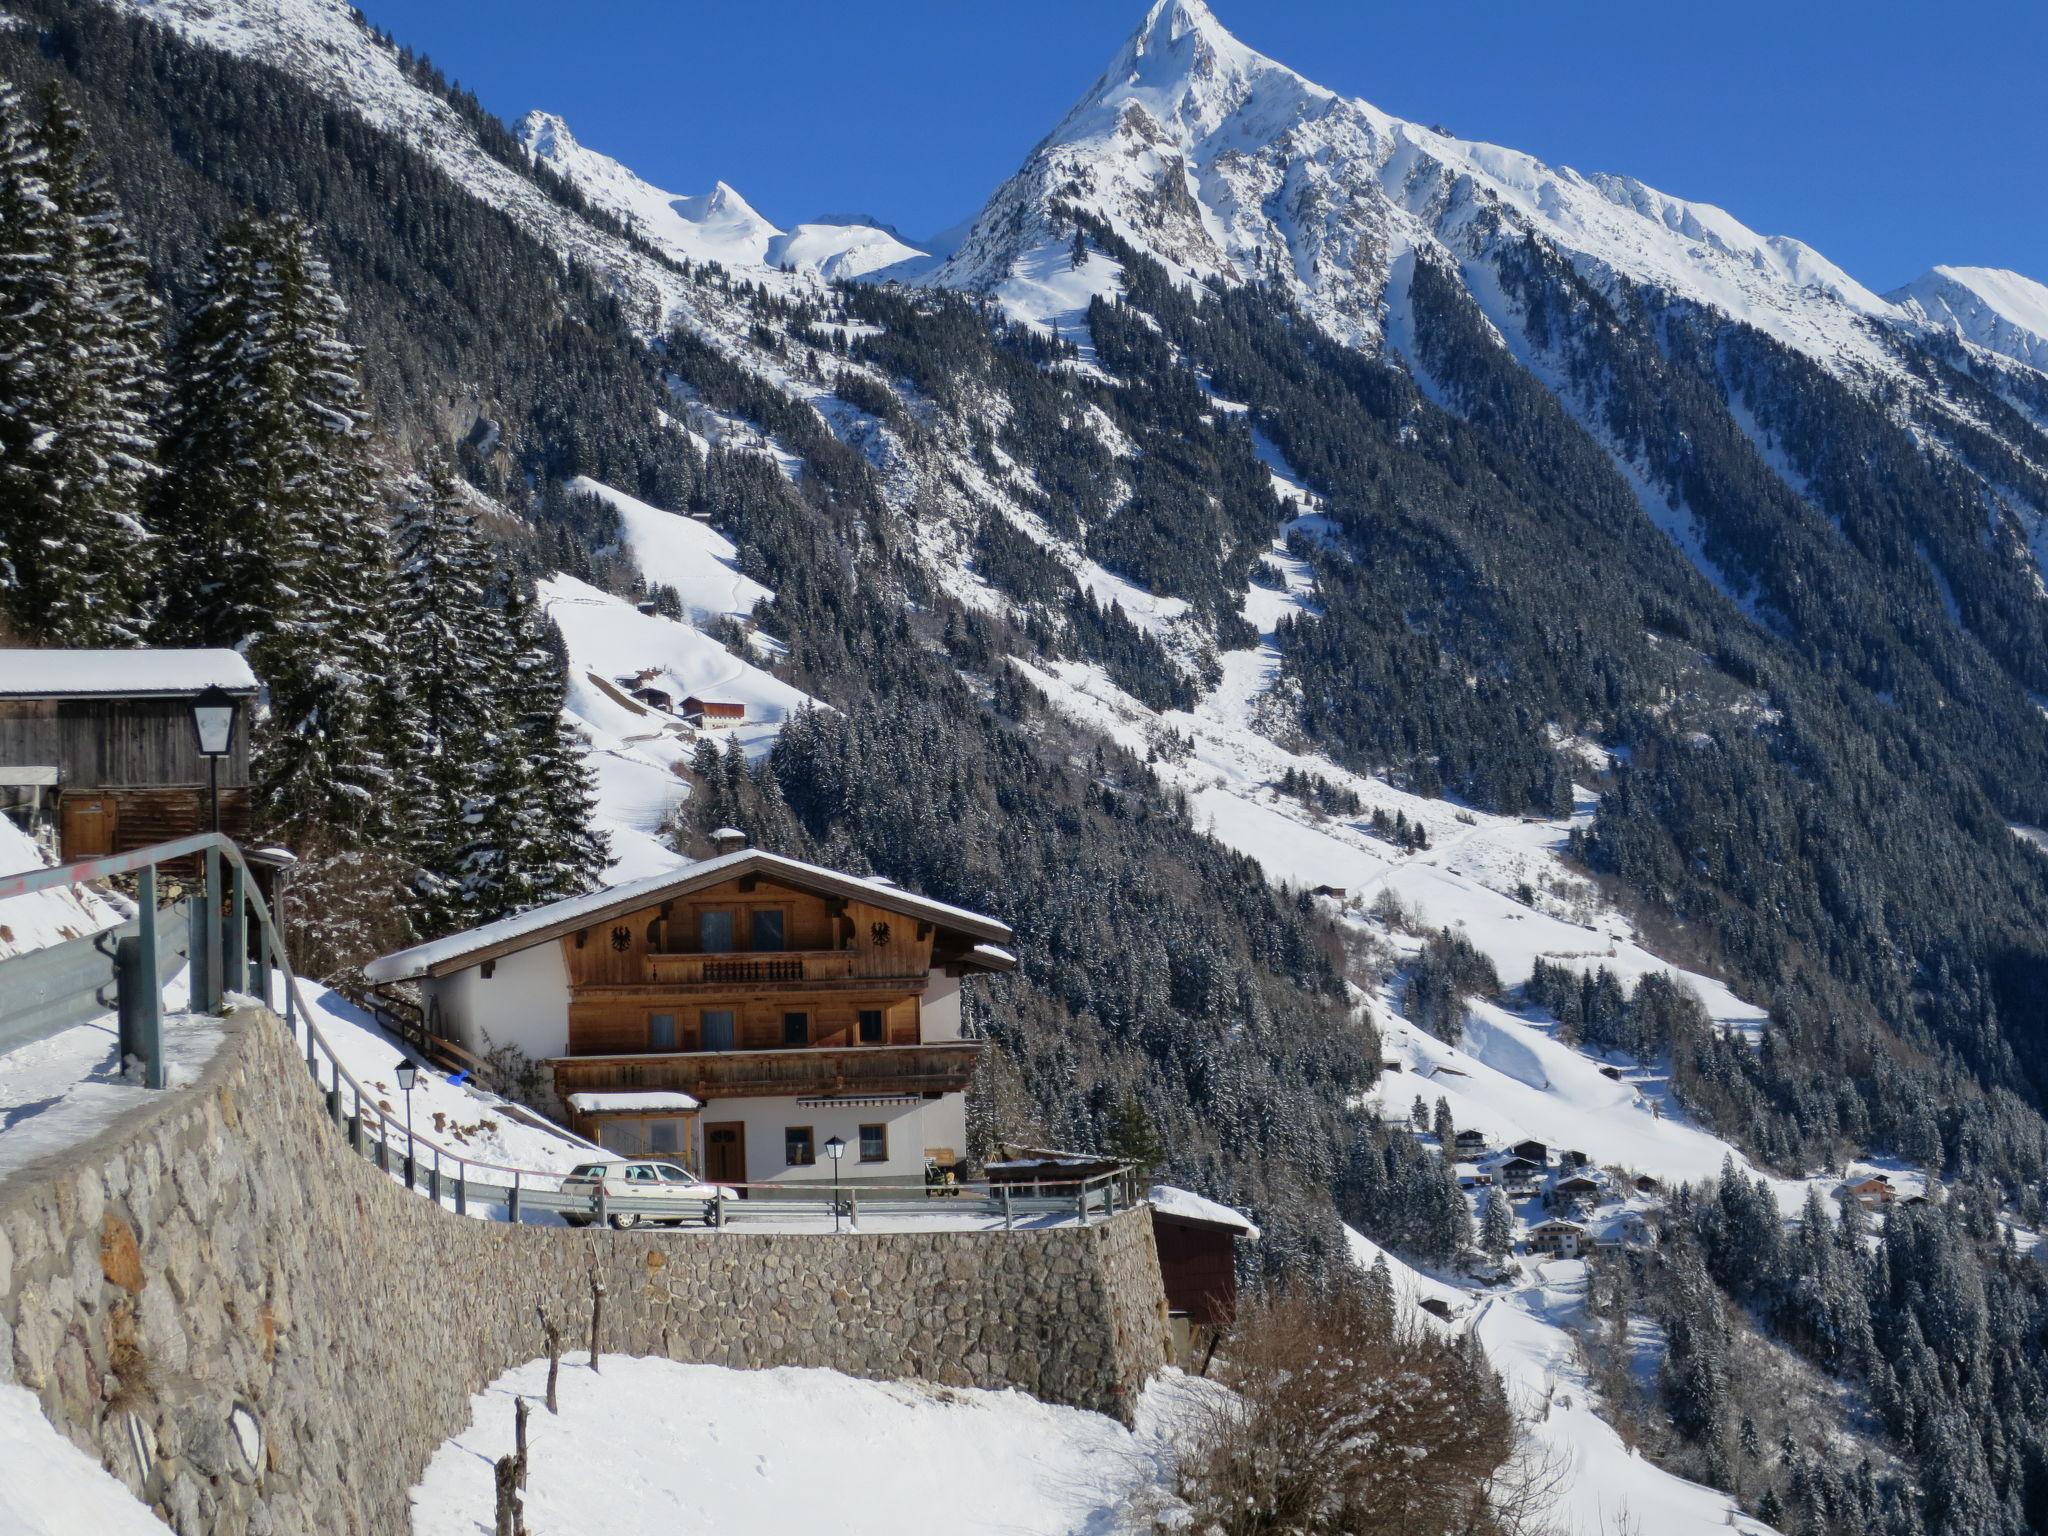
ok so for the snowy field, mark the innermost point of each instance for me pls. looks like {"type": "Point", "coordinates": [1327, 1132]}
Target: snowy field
{"type": "Point", "coordinates": [648, 1447]}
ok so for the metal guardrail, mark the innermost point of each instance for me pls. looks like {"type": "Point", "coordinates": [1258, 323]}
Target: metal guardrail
{"type": "Point", "coordinates": [229, 955]}
{"type": "Point", "coordinates": [51, 989]}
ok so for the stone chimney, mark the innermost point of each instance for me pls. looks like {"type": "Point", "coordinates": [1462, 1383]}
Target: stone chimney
{"type": "Point", "coordinates": [728, 840]}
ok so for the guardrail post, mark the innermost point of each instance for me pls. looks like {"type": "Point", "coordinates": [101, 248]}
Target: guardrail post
{"type": "Point", "coordinates": [434, 1183]}
{"type": "Point", "coordinates": [1008, 1223]}
{"type": "Point", "coordinates": [461, 1190]}
{"type": "Point", "coordinates": [1081, 1203]}
{"type": "Point", "coordinates": [603, 1204]}
{"type": "Point", "coordinates": [259, 967]}
{"type": "Point", "coordinates": [210, 946]}
{"type": "Point", "coordinates": [515, 1197]}
{"type": "Point", "coordinates": [234, 941]}
{"type": "Point", "coordinates": [853, 1207]}
{"type": "Point", "coordinates": [138, 994]}
{"type": "Point", "coordinates": [1109, 1198]}
{"type": "Point", "coordinates": [355, 1129]}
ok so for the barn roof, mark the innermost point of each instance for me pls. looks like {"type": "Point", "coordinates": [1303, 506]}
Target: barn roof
{"type": "Point", "coordinates": [62, 674]}
{"type": "Point", "coordinates": [527, 930]}
{"type": "Point", "coordinates": [1185, 1205]}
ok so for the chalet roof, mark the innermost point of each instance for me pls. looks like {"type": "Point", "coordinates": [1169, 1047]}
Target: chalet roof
{"type": "Point", "coordinates": [528, 930]}
{"type": "Point", "coordinates": [137, 674]}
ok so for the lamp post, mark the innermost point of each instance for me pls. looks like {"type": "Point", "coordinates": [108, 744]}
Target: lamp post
{"type": "Point", "coordinates": [213, 718]}
{"type": "Point", "coordinates": [835, 1149]}
{"type": "Point", "coordinates": [408, 1073]}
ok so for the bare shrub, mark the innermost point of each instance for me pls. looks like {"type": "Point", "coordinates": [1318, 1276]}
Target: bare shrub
{"type": "Point", "coordinates": [1343, 1421]}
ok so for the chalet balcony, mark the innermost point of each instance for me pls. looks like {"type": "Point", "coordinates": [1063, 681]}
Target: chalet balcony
{"type": "Point", "coordinates": [807, 968]}
{"type": "Point", "coordinates": [807, 1072]}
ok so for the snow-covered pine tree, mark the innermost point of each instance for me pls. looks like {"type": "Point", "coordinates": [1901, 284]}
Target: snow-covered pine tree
{"type": "Point", "coordinates": [79, 378]}
{"type": "Point", "coordinates": [450, 644]}
{"type": "Point", "coordinates": [568, 854]}
{"type": "Point", "coordinates": [1497, 1225]}
{"type": "Point", "coordinates": [268, 513]}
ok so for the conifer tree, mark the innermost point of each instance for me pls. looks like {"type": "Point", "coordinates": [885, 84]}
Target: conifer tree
{"type": "Point", "coordinates": [267, 511]}
{"type": "Point", "coordinates": [1496, 1226]}
{"type": "Point", "coordinates": [79, 377]}
{"type": "Point", "coordinates": [568, 854]}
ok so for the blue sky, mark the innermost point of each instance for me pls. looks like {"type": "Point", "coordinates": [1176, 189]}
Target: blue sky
{"type": "Point", "coordinates": [1887, 138]}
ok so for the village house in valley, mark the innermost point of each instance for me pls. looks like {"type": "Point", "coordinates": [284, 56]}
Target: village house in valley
{"type": "Point", "coordinates": [737, 1013]}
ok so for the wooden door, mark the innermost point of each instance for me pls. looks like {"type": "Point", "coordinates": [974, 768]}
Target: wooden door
{"type": "Point", "coordinates": [90, 822]}
{"type": "Point", "coordinates": [725, 1153]}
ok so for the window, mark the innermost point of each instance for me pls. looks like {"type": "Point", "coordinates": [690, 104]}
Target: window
{"type": "Point", "coordinates": [874, 1143]}
{"type": "Point", "coordinates": [767, 927]}
{"type": "Point", "coordinates": [714, 932]}
{"type": "Point", "coordinates": [796, 1147]}
{"type": "Point", "coordinates": [661, 1031]}
{"type": "Point", "coordinates": [716, 1025]}
{"type": "Point", "coordinates": [871, 1032]}
{"type": "Point", "coordinates": [796, 1029]}
{"type": "Point", "coordinates": [640, 1173]}
{"type": "Point", "coordinates": [661, 1135]}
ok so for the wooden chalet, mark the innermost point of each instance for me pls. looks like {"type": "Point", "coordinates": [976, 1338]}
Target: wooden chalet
{"type": "Point", "coordinates": [1559, 1238]}
{"type": "Point", "coordinates": [100, 745]}
{"type": "Point", "coordinates": [712, 712]}
{"type": "Point", "coordinates": [1872, 1191]}
{"type": "Point", "coordinates": [1197, 1240]}
{"type": "Point", "coordinates": [787, 1002]}
{"type": "Point", "coordinates": [1535, 1151]}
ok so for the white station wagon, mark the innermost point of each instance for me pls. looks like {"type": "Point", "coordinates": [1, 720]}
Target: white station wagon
{"type": "Point", "coordinates": [642, 1178]}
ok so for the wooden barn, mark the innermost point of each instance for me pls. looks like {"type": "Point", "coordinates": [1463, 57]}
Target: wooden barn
{"type": "Point", "coordinates": [101, 745]}
{"type": "Point", "coordinates": [713, 712]}
{"type": "Point", "coordinates": [1197, 1240]}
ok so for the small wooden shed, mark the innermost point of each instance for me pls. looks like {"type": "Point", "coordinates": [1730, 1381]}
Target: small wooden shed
{"type": "Point", "coordinates": [104, 741]}
{"type": "Point", "coordinates": [1197, 1240]}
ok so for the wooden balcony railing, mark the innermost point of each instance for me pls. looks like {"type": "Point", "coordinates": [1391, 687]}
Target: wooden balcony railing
{"type": "Point", "coordinates": [826, 1072]}
{"type": "Point", "coordinates": [782, 967]}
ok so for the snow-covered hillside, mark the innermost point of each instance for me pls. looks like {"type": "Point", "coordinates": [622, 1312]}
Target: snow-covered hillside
{"type": "Point", "coordinates": [649, 1446]}
{"type": "Point", "coordinates": [718, 225]}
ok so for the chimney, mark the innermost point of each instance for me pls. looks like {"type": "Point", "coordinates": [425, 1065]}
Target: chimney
{"type": "Point", "coordinates": [728, 840]}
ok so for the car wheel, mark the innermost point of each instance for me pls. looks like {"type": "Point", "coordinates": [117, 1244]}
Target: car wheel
{"type": "Point", "coordinates": [622, 1221]}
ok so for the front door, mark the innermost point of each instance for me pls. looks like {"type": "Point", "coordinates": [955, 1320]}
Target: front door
{"type": "Point", "coordinates": [89, 825]}
{"type": "Point", "coordinates": [725, 1153]}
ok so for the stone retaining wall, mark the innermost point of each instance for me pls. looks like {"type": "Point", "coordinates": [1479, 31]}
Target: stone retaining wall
{"type": "Point", "coordinates": [257, 1332]}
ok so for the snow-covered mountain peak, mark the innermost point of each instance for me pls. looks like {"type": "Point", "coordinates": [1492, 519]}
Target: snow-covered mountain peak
{"type": "Point", "coordinates": [1993, 308]}
{"type": "Point", "coordinates": [717, 226]}
{"type": "Point", "coordinates": [1226, 165]}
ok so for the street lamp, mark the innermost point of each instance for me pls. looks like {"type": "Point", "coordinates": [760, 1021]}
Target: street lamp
{"type": "Point", "coordinates": [213, 718]}
{"type": "Point", "coordinates": [835, 1149]}
{"type": "Point", "coordinates": [408, 1074]}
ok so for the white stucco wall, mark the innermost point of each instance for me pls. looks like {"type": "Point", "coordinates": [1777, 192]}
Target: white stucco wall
{"type": "Point", "coordinates": [525, 1002]}
{"type": "Point", "coordinates": [939, 1014]}
{"type": "Point", "coordinates": [913, 1127]}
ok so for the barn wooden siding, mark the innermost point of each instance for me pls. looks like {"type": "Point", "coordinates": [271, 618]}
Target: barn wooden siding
{"type": "Point", "coordinates": [117, 743]}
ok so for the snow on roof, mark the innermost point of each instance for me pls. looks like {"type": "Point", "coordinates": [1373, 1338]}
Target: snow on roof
{"type": "Point", "coordinates": [524, 930]}
{"type": "Point", "coordinates": [994, 956]}
{"type": "Point", "coordinates": [650, 1101]}
{"type": "Point", "coordinates": [1189, 1206]}
{"type": "Point", "coordinates": [120, 674]}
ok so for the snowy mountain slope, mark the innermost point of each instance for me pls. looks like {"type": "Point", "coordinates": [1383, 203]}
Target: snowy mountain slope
{"type": "Point", "coordinates": [1989, 307]}
{"type": "Point", "coordinates": [635, 748]}
{"type": "Point", "coordinates": [671, 550]}
{"type": "Point", "coordinates": [715, 226]}
{"type": "Point", "coordinates": [326, 45]}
